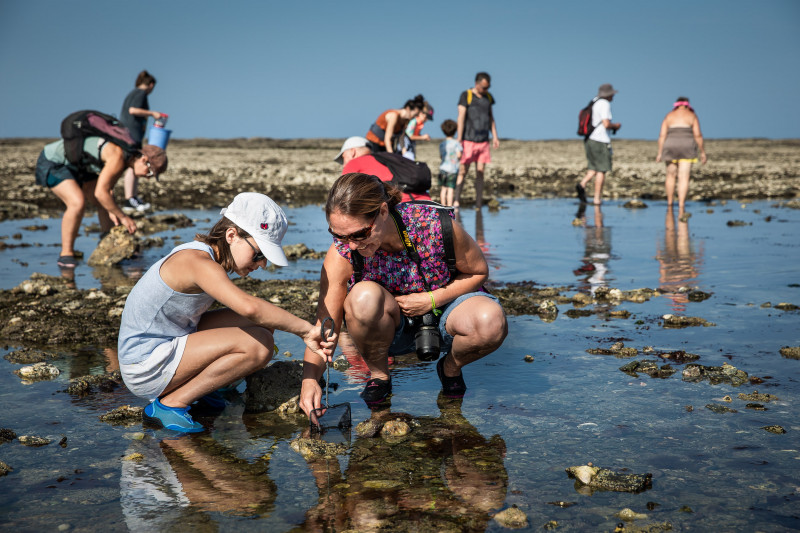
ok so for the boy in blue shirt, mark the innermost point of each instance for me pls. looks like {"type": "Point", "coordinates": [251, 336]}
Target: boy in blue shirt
{"type": "Point", "coordinates": [450, 150]}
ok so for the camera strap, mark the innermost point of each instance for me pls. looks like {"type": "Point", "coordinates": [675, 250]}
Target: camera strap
{"type": "Point", "coordinates": [411, 250]}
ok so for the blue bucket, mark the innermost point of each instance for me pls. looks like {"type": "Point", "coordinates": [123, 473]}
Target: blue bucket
{"type": "Point", "coordinates": [158, 137]}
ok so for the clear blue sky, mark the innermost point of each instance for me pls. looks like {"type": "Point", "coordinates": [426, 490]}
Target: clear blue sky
{"type": "Point", "coordinates": [289, 69]}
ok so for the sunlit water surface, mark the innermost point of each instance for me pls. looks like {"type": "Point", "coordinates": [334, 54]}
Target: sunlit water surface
{"type": "Point", "coordinates": [711, 471]}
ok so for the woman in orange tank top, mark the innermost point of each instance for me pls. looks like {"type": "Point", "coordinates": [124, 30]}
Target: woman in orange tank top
{"type": "Point", "coordinates": [390, 125]}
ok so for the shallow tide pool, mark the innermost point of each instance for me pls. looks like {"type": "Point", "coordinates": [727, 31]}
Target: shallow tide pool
{"type": "Point", "coordinates": [520, 424]}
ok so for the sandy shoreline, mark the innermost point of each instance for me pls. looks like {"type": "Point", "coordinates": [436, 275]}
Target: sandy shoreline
{"type": "Point", "coordinates": [208, 172]}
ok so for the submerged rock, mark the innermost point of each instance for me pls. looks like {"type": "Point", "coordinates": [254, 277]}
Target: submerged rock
{"type": "Point", "coordinates": [92, 383]}
{"type": "Point", "coordinates": [4, 468]}
{"type": "Point", "coordinates": [778, 430]}
{"type": "Point", "coordinates": [698, 295]}
{"type": "Point", "coordinates": [341, 363]}
{"type": "Point", "coordinates": [791, 352]}
{"type": "Point", "coordinates": [605, 479]}
{"type": "Point", "coordinates": [715, 374]}
{"type": "Point", "coordinates": [617, 349]}
{"type": "Point", "coordinates": [650, 368]}
{"type": "Point", "coordinates": [34, 441]}
{"type": "Point", "coordinates": [629, 515]}
{"type": "Point", "coordinates": [123, 415]}
{"type": "Point", "coordinates": [273, 386]}
{"type": "Point", "coordinates": [717, 408]}
{"type": "Point", "coordinates": [38, 372]}
{"type": "Point", "coordinates": [301, 251]}
{"type": "Point", "coordinates": [369, 428]}
{"type": "Point", "coordinates": [784, 306]}
{"type": "Point", "coordinates": [394, 429]}
{"type": "Point", "coordinates": [135, 456]}
{"type": "Point", "coordinates": [634, 204]}
{"type": "Point", "coordinates": [732, 223]}
{"type": "Point", "coordinates": [674, 321]}
{"type": "Point", "coordinates": [115, 247]}
{"type": "Point", "coordinates": [756, 396]}
{"type": "Point", "coordinates": [7, 435]}
{"type": "Point", "coordinates": [28, 356]}
{"type": "Point", "coordinates": [512, 518]}
{"type": "Point", "coordinates": [317, 448]}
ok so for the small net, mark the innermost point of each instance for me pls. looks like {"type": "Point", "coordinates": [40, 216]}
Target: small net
{"type": "Point", "coordinates": [330, 416]}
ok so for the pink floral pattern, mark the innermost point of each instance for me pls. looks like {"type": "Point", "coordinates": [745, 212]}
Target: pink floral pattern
{"type": "Point", "coordinates": [396, 271]}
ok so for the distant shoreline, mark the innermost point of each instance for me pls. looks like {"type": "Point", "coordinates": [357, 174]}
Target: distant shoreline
{"type": "Point", "coordinates": [209, 172]}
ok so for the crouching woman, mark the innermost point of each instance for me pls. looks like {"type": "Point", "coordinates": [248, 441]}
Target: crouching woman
{"type": "Point", "coordinates": [172, 349]}
{"type": "Point", "coordinates": [403, 273]}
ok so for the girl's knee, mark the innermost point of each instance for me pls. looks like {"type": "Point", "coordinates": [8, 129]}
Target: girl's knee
{"type": "Point", "coordinates": [261, 349]}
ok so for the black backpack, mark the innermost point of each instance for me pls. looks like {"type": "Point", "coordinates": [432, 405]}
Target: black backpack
{"type": "Point", "coordinates": [409, 176]}
{"type": "Point", "coordinates": [446, 215]}
{"type": "Point", "coordinates": [87, 123]}
{"type": "Point", "coordinates": [585, 127]}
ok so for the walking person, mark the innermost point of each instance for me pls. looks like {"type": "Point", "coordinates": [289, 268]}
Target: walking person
{"type": "Point", "coordinates": [475, 125]}
{"type": "Point", "coordinates": [679, 142]}
{"type": "Point", "coordinates": [598, 144]}
{"type": "Point", "coordinates": [135, 110]}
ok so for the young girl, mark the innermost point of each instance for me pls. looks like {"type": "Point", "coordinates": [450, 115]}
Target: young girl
{"type": "Point", "coordinates": [172, 349]}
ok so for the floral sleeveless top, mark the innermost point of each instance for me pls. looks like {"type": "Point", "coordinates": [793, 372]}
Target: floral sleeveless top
{"type": "Point", "coordinates": [396, 271]}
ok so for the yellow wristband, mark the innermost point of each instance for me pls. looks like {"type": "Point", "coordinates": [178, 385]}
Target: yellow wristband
{"type": "Point", "coordinates": [433, 305]}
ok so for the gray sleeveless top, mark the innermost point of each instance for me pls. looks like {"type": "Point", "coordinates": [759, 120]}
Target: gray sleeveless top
{"type": "Point", "coordinates": [154, 313]}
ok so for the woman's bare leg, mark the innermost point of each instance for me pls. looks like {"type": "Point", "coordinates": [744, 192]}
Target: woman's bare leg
{"type": "Point", "coordinates": [69, 192]}
{"type": "Point", "coordinates": [669, 183]}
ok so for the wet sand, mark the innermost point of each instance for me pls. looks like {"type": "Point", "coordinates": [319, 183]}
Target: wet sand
{"type": "Point", "coordinates": [209, 172]}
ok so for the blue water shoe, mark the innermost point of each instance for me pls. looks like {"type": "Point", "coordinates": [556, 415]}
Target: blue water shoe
{"type": "Point", "coordinates": [174, 418]}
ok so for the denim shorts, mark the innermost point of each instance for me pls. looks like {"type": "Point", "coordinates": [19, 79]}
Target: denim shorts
{"type": "Point", "coordinates": [403, 341]}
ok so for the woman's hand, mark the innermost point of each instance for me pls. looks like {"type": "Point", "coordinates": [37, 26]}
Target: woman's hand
{"type": "Point", "coordinates": [310, 398]}
{"type": "Point", "coordinates": [319, 345]}
{"type": "Point", "coordinates": [658, 158]}
{"type": "Point", "coordinates": [129, 224]}
{"type": "Point", "coordinates": [414, 304]}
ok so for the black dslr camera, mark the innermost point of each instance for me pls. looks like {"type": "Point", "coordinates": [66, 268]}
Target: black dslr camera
{"type": "Point", "coordinates": [427, 339]}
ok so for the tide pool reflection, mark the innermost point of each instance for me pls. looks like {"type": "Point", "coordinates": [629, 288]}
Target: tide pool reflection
{"type": "Point", "coordinates": [679, 263]}
{"type": "Point", "coordinates": [444, 475]}
{"type": "Point", "coordinates": [597, 251]}
{"type": "Point", "coordinates": [174, 482]}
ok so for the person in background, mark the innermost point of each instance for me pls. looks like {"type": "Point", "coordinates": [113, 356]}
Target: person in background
{"type": "Point", "coordinates": [75, 186]}
{"type": "Point", "coordinates": [679, 141]}
{"type": "Point", "coordinates": [450, 151]}
{"type": "Point", "coordinates": [386, 131]}
{"type": "Point", "coordinates": [475, 123]}
{"type": "Point", "coordinates": [135, 110]}
{"type": "Point", "coordinates": [366, 219]}
{"type": "Point", "coordinates": [598, 145]}
{"type": "Point", "coordinates": [356, 156]}
{"type": "Point", "coordinates": [414, 132]}
{"type": "Point", "coordinates": [173, 350]}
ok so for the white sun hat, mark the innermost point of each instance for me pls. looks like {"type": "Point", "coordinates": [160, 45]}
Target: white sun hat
{"type": "Point", "coordinates": [263, 219]}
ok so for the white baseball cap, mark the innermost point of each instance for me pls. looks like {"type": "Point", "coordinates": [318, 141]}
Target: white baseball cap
{"type": "Point", "coordinates": [263, 219]}
{"type": "Point", "coordinates": [351, 142]}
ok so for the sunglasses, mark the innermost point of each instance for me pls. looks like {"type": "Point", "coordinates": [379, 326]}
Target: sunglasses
{"type": "Point", "coordinates": [150, 172]}
{"type": "Point", "coordinates": [359, 235]}
{"type": "Point", "coordinates": [257, 256]}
